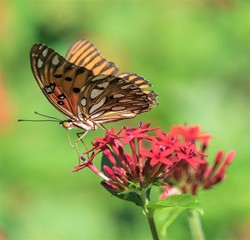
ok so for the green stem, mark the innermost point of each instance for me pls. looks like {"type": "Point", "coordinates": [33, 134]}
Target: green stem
{"type": "Point", "coordinates": [151, 223]}
{"type": "Point", "coordinates": [149, 214]}
{"type": "Point", "coordinates": [195, 225]}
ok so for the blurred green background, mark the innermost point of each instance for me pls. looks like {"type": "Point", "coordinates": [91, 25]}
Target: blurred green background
{"type": "Point", "coordinates": [195, 54]}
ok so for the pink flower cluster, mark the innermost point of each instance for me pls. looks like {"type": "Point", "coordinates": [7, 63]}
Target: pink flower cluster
{"type": "Point", "coordinates": [138, 158]}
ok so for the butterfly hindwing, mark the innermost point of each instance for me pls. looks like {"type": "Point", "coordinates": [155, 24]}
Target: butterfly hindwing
{"type": "Point", "coordinates": [110, 98]}
{"type": "Point", "coordinates": [142, 83]}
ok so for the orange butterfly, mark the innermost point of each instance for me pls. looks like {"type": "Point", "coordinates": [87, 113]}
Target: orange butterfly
{"type": "Point", "coordinates": [87, 88]}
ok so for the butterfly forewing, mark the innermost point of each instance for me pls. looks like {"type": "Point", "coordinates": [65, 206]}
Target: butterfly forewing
{"type": "Point", "coordinates": [83, 53]}
{"type": "Point", "coordinates": [59, 80]}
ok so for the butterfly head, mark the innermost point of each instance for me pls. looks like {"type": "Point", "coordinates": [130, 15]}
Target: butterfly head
{"type": "Point", "coordinates": [67, 124]}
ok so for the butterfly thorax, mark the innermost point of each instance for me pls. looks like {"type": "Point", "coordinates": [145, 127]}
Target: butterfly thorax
{"type": "Point", "coordinates": [77, 124]}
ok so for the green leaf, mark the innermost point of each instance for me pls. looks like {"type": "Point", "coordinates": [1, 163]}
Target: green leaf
{"type": "Point", "coordinates": [168, 209]}
{"type": "Point", "coordinates": [181, 200]}
{"type": "Point", "coordinates": [131, 197]}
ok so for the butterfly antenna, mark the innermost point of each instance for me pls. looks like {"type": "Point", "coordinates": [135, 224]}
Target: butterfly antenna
{"type": "Point", "coordinates": [43, 115]}
{"type": "Point", "coordinates": [30, 120]}
{"type": "Point", "coordinates": [51, 119]}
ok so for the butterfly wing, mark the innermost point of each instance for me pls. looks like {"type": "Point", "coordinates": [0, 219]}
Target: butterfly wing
{"type": "Point", "coordinates": [80, 94]}
{"type": "Point", "coordinates": [60, 80]}
{"type": "Point", "coordinates": [142, 83]}
{"type": "Point", "coordinates": [83, 53]}
{"type": "Point", "coordinates": [110, 98]}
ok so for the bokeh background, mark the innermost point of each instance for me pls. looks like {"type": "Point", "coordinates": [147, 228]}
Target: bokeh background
{"type": "Point", "coordinates": [195, 54]}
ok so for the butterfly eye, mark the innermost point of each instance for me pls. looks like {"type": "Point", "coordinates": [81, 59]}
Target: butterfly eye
{"type": "Point", "coordinates": [66, 124]}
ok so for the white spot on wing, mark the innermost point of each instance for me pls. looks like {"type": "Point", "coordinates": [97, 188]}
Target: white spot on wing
{"type": "Point", "coordinates": [125, 100]}
{"type": "Point", "coordinates": [80, 116]}
{"type": "Point", "coordinates": [97, 106]}
{"type": "Point", "coordinates": [105, 120]}
{"type": "Point", "coordinates": [97, 114]}
{"type": "Point", "coordinates": [39, 63]}
{"type": "Point", "coordinates": [98, 77]}
{"type": "Point", "coordinates": [127, 86]}
{"type": "Point", "coordinates": [55, 60]}
{"type": "Point", "coordinates": [118, 95]}
{"type": "Point", "coordinates": [95, 93]}
{"type": "Point", "coordinates": [83, 88]}
{"type": "Point", "coordinates": [128, 114]}
{"type": "Point", "coordinates": [84, 102]}
{"type": "Point", "coordinates": [45, 52]}
{"type": "Point", "coordinates": [118, 108]}
{"type": "Point", "coordinates": [103, 85]}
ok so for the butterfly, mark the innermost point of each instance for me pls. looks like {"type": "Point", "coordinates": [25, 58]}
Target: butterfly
{"type": "Point", "coordinates": [87, 88]}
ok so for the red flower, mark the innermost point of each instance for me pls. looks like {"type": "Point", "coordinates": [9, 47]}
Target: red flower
{"type": "Point", "coordinates": [130, 133]}
{"type": "Point", "coordinates": [192, 134]}
{"type": "Point", "coordinates": [216, 172]}
{"type": "Point", "coordinates": [189, 153]}
{"type": "Point", "coordinates": [137, 158]}
{"type": "Point", "coordinates": [158, 154]}
{"type": "Point", "coordinates": [170, 140]}
{"type": "Point", "coordinates": [189, 180]}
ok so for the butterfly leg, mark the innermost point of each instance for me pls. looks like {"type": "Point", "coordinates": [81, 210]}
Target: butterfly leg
{"type": "Point", "coordinates": [71, 144]}
{"type": "Point", "coordinates": [105, 129]}
{"type": "Point", "coordinates": [80, 137]}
